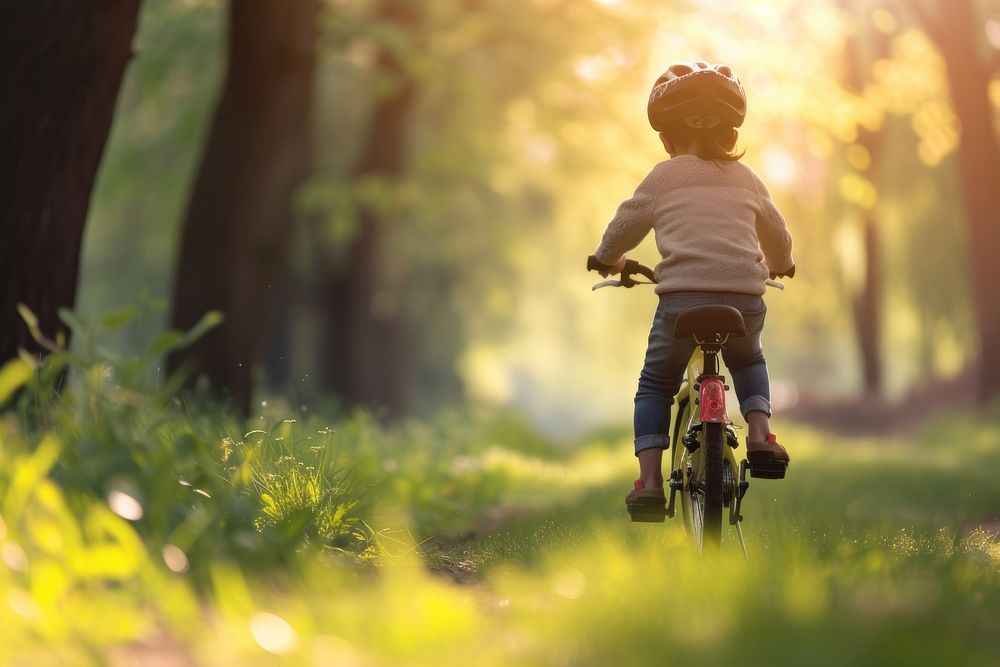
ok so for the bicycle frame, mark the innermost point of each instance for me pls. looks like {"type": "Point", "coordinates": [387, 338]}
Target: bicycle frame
{"type": "Point", "coordinates": [687, 467]}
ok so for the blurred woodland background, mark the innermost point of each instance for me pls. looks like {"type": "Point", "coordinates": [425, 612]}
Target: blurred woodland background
{"type": "Point", "coordinates": [391, 202]}
{"type": "Point", "coordinates": [423, 452]}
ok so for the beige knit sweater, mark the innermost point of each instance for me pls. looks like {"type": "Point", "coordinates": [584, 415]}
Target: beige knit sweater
{"type": "Point", "coordinates": [715, 225]}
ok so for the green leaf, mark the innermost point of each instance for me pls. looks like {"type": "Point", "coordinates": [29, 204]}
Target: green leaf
{"type": "Point", "coordinates": [14, 375]}
{"type": "Point", "coordinates": [209, 321]}
{"type": "Point", "coordinates": [172, 339]}
{"type": "Point", "coordinates": [166, 341]}
{"type": "Point", "coordinates": [119, 318]}
{"type": "Point", "coordinates": [72, 320]}
{"type": "Point", "coordinates": [156, 305]}
{"type": "Point", "coordinates": [31, 320]}
{"type": "Point", "coordinates": [29, 317]}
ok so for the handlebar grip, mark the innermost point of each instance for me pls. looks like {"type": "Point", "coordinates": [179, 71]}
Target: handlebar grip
{"type": "Point", "coordinates": [594, 264]}
{"type": "Point", "coordinates": [633, 267]}
{"type": "Point", "coordinates": [781, 274]}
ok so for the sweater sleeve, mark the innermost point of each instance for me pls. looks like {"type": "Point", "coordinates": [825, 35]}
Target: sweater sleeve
{"type": "Point", "coordinates": [772, 232]}
{"type": "Point", "coordinates": [631, 223]}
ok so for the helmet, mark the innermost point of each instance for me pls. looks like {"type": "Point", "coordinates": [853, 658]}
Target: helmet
{"type": "Point", "coordinates": [699, 94]}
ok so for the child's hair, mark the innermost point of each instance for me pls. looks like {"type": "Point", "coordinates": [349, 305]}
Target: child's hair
{"type": "Point", "coordinates": [716, 143]}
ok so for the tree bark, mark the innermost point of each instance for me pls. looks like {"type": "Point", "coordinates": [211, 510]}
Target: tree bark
{"type": "Point", "coordinates": [868, 310]}
{"type": "Point", "coordinates": [367, 358]}
{"type": "Point", "coordinates": [61, 66]}
{"type": "Point", "coordinates": [956, 32]}
{"type": "Point", "coordinates": [868, 301]}
{"type": "Point", "coordinates": [239, 221]}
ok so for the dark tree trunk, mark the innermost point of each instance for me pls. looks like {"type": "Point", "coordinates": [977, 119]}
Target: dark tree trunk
{"type": "Point", "coordinates": [868, 301]}
{"type": "Point", "coordinates": [868, 313]}
{"type": "Point", "coordinates": [61, 65]}
{"type": "Point", "coordinates": [956, 31]}
{"type": "Point", "coordinates": [239, 220]}
{"type": "Point", "coordinates": [367, 354]}
{"type": "Point", "coordinates": [868, 310]}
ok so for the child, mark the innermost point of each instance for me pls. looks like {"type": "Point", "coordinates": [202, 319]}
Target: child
{"type": "Point", "coordinates": [720, 237]}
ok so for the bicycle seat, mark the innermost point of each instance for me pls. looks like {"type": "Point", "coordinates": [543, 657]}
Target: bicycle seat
{"type": "Point", "coordinates": [709, 319]}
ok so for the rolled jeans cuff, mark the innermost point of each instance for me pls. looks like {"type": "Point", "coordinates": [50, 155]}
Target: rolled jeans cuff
{"type": "Point", "coordinates": [651, 441]}
{"type": "Point", "coordinates": [754, 403]}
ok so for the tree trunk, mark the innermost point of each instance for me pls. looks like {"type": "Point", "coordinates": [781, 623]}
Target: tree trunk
{"type": "Point", "coordinates": [868, 310]}
{"type": "Point", "coordinates": [367, 353]}
{"type": "Point", "coordinates": [61, 65]}
{"type": "Point", "coordinates": [956, 32]}
{"type": "Point", "coordinates": [868, 301]}
{"type": "Point", "coordinates": [239, 220]}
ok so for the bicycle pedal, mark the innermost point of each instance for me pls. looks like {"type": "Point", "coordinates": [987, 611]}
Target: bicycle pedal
{"type": "Point", "coordinates": [647, 510]}
{"type": "Point", "coordinates": [771, 470]}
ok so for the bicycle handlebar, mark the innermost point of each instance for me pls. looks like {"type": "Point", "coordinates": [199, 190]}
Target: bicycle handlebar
{"type": "Point", "coordinates": [632, 268]}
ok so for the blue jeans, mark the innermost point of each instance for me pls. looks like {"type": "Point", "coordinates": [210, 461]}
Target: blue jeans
{"type": "Point", "coordinates": [667, 358]}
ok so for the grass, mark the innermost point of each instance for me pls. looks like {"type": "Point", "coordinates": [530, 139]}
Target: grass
{"type": "Point", "coordinates": [866, 554]}
{"type": "Point", "coordinates": [135, 527]}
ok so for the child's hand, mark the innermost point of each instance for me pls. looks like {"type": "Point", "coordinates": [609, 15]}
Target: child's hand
{"type": "Point", "coordinates": [616, 269]}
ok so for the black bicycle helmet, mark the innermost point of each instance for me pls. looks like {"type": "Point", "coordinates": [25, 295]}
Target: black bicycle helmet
{"type": "Point", "coordinates": [698, 94]}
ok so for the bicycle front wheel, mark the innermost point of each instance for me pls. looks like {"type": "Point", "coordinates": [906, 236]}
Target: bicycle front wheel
{"type": "Point", "coordinates": [712, 484]}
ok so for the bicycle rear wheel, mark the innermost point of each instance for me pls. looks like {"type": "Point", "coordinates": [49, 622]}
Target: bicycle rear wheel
{"type": "Point", "coordinates": [712, 462]}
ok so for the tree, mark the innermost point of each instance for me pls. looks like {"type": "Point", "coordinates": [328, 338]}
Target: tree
{"type": "Point", "coordinates": [953, 28]}
{"type": "Point", "coordinates": [868, 302]}
{"type": "Point", "coordinates": [367, 345]}
{"type": "Point", "coordinates": [239, 221]}
{"type": "Point", "coordinates": [61, 66]}
{"type": "Point", "coordinates": [425, 215]}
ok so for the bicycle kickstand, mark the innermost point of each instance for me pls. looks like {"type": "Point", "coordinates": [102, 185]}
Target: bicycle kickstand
{"type": "Point", "coordinates": [735, 518]}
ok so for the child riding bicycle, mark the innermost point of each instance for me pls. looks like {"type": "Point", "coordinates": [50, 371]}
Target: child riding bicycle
{"type": "Point", "coordinates": [720, 237]}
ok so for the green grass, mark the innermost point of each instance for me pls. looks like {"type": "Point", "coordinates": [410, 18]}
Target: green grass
{"type": "Point", "coordinates": [467, 540]}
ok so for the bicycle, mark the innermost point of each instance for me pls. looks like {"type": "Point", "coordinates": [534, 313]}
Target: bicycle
{"type": "Point", "coordinates": [704, 471]}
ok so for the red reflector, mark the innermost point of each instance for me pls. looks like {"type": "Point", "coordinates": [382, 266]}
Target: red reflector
{"type": "Point", "coordinates": [713, 401]}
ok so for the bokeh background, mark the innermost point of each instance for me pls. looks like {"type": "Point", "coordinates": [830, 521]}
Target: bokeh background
{"type": "Point", "coordinates": [523, 126]}
{"type": "Point", "coordinates": [422, 446]}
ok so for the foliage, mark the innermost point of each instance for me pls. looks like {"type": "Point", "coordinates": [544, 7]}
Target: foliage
{"type": "Point", "coordinates": [183, 472]}
{"type": "Point", "coordinates": [521, 144]}
{"type": "Point", "coordinates": [194, 481]}
{"type": "Point", "coordinates": [121, 503]}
